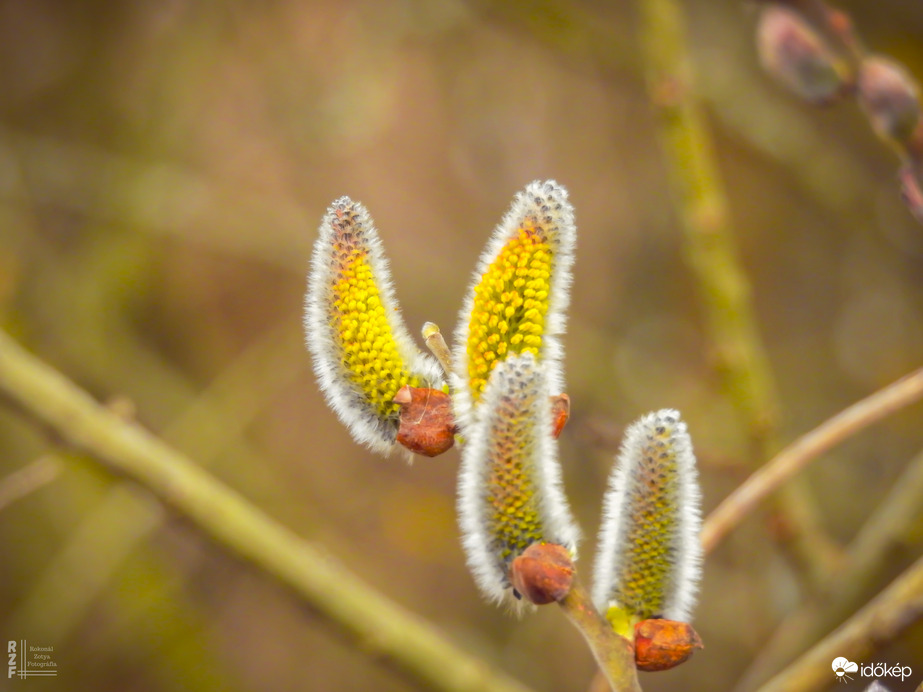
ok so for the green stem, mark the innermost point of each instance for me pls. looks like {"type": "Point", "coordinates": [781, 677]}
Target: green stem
{"type": "Point", "coordinates": [704, 215]}
{"type": "Point", "coordinates": [378, 626]}
{"type": "Point", "coordinates": [614, 654]}
{"type": "Point", "coordinates": [214, 422]}
{"type": "Point", "coordinates": [724, 289]}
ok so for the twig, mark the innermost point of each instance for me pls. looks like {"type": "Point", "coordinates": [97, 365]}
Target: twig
{"type": "Point", "coordinates": [27, 480]}
{"type": "Point", "coordinates": [613, 653]}
{"type": "Point", "coordinates": [885, 90]}
{"type": "Point", "coordinates": [380, 627]}
{"type": "Point", "coordinates": [884, 618]}
{"type": "Point", "coordinates": [884, 529]}
{"type": "Point", "coordinates": [435, 342]}
{"type": "Point", "coordinates": [805, 449]}
{"type": "Point", "coordinates": [862, 562]}
{"type": "Point", "coordinates": [704, 214]}
{"type": "Point", "coordinates": [213, 422]}
{"type": "Point", "coordinates": [712, 256]}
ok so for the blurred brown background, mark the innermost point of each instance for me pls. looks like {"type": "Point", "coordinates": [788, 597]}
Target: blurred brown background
{"type": "Point", "coordinates": [163, 167]}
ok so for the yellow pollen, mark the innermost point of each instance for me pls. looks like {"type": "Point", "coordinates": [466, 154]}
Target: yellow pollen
{"type": "Point", "coordinates": [653, 523]}
{"type": "Point", "coordinates": [510, 305]}
{"type": "Point", "coordinates": [512, 505]}
{"type": "Point", "coordinates": [369, 351]}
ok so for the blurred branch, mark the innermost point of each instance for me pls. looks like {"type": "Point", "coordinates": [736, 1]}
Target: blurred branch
{"type": "Point", "coordinates": [60, 595]}
{"type": "Point", "coordinates": [883, 531]}
{"type": "Point", "coordinates": [805, 449]}
{"type": "Point", "coordinates": [724, 289]}
{"type": "Point", "coordinates": [27, 480]}
{"type": "Point", "coordinates": [213, 422]}
{"type": "Point", "coordinates": [705, 218]}
{"type": "Point", "coordinates": [863, 561]}
{"type": "Point", "coordinates": [895, 609]}
{"type": "Point", "coordinates": [776, 131]}
{"type": "Point", "coordinates": [80, 297]}
{"type": "Point", "coordinates": [378, 626]}
{"type": "Point", "coordinates": [798, 36]}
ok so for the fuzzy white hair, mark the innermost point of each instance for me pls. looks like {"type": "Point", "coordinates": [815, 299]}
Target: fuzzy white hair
{"type": "Point", "coordinates": [515, 409]}
{"type": "Point", "coordinates": [547, 206]}
{"type": "Point", "coordinates": [619, 515]}
{"type": "Point", "coordinates": [345, 397]}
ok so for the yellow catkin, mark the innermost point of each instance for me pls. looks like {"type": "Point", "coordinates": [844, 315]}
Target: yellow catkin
{"type": "Point", "coordinates": [512, 502]}
{"type": "Point", "coordinates": [510, 305]}
{"type": "Point", "coordinates": [647, 565]}
{"type": "Point", "coordinates": [369, 352]}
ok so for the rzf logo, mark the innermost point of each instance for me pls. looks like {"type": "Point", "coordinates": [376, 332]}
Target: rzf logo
{"type": "Point", "coordinates": [11, 650]}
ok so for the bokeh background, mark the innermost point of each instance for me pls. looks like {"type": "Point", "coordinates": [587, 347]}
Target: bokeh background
{"type": "Point", "coordinates": [163, 168]}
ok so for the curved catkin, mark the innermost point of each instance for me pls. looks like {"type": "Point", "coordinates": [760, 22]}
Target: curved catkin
{"type": "Point", "coordinates": [510, 492]}
{"type": "Point", "coordinates": [518, 296]}
{"type": "Point", "coordinates": [362, 351]}
{"type": "Point", "coordinates": [650, 552]}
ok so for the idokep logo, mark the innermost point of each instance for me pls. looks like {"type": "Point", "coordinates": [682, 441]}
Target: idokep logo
{"type": "Point", "coordinates": [842, 667]}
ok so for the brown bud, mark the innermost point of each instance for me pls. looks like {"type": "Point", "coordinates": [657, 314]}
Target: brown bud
{"type": "Point", "coordinates": [890, 97]}
{"type": "Point", "coordinates": [427, 424]}
{"type": "Point", "coordinates": [543, 573]}
{"type": "Point", "coordinates": [664, 644]}
{"type": "Point", "coordinates": [797, 56]}
{"type": "Point", "coordinates": [560, 413]}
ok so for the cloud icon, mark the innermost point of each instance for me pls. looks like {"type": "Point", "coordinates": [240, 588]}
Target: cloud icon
{"type": "Point", "coordinates": [841, 666]}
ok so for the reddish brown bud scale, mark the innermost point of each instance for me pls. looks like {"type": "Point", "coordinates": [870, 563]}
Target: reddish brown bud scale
{"type": "Point", "coordinates": [664, 644]}
{"type": "Point", "coordinates": [427, 424]}
{"type": "Point", "coordinates": [560, 413]}
{"type": "Point", "coordinates": [543, 573]}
